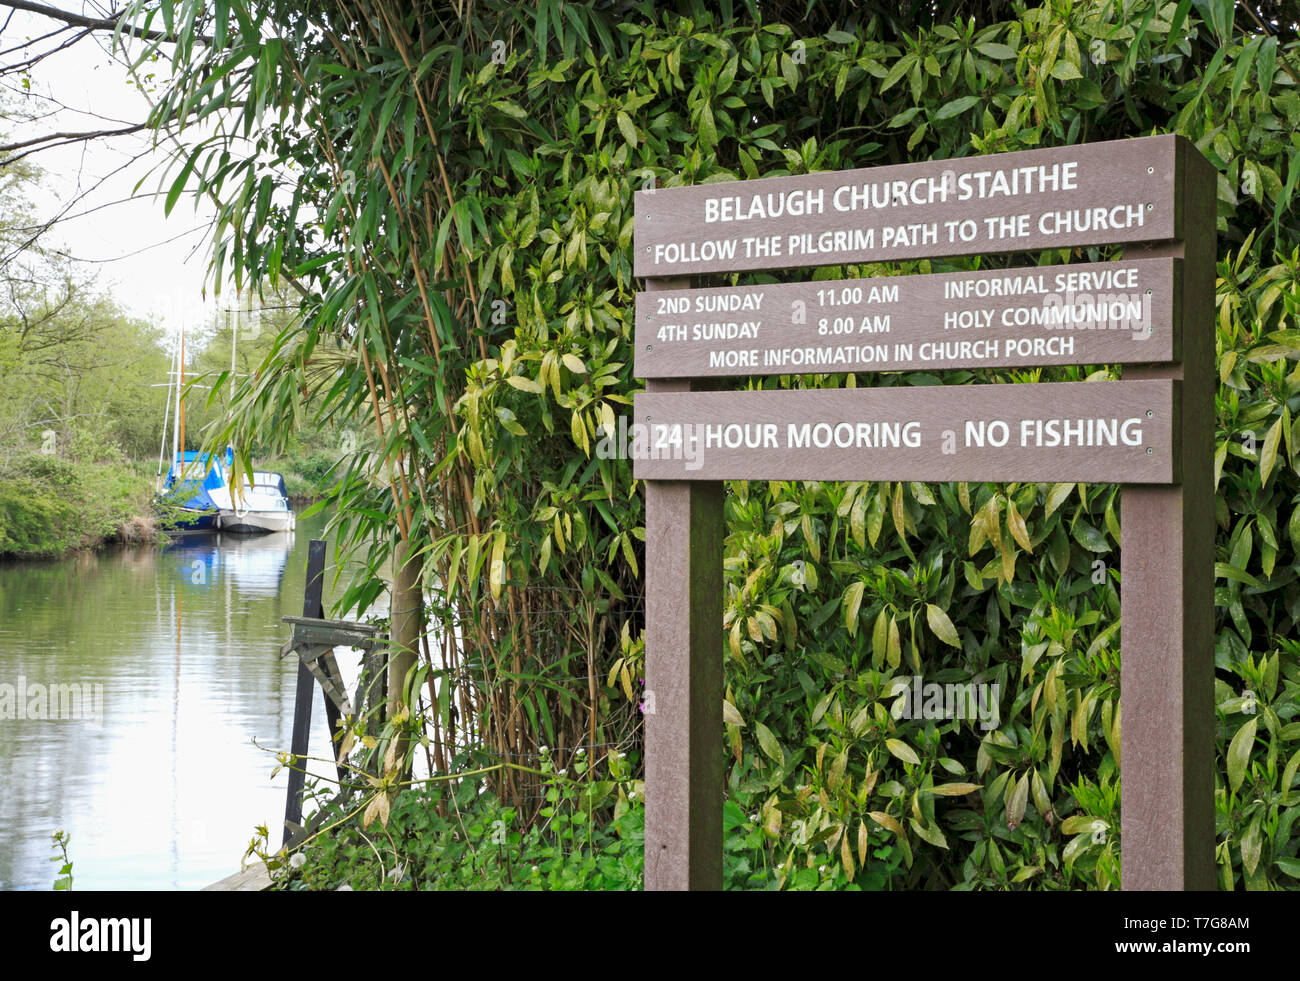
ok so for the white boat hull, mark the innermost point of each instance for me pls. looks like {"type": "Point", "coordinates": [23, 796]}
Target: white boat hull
{"type": "Point", "coordinates": [256, 522]}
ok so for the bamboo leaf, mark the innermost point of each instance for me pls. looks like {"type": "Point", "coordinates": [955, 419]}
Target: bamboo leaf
{"type": "Point", "coordinates": [852, 603]}
{"type": "Point", "coordinates": [1019, 530]}
{"type": "Point", "coordinates": [942, 626]}
{"type": "Point", "coordinates": [1268, 455]}
{"type": "Point", "coordinates": [951, 789]}
{"type": "Point", "coordinates": [1239, 753]}
{"type": "Point", "coordinates": [903, 751]}
{"type": "Point", "coordinates": [731, 715]}
{"type": "Point", "coordinates": [497, 569]}
{"type": "Point", "coordinates": [769, 745]}
{"type": "Point", "coordinates": [524, 384]}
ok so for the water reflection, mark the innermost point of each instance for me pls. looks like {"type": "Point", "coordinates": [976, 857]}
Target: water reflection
{"type": "Point", "coordinates": [164, 791]}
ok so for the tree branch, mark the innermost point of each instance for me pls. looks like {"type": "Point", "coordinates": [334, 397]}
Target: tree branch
{"type": "Point", "coordinates": [51, 140]}
{"type": "Point", "coordinates": [110, 23]}
{"type": "Point", "coordinates": [71, 137]}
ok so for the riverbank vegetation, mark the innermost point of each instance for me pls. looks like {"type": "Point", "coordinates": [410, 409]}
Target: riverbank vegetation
{"type": "Point", "coordinates": [587, 833]}
{"type": "Point", "coordinates": [76, 402]}
{"type": "Point", "coordinates": [84, 392]}
{"type": "Point", "coordinates": [50, 506]}
{"type": "Point", "coordinates": [77, 406]}
{"type": "Point", "coordinates": [448, 193]}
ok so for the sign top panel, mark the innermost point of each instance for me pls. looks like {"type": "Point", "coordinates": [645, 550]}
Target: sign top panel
{"type": "Point", "coordinates": [1092, 194]}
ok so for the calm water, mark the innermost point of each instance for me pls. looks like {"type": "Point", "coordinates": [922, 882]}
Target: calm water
{"type": "Point", "coordinates": [165, 790]}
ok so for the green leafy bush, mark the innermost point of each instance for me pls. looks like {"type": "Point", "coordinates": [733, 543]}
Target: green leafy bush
{"type": "Point", "coordinates": [50, 506]}
{"type": "Point", "coordinates": [33, 521]}
{"type": "Point", "coordinates": [588, 834]}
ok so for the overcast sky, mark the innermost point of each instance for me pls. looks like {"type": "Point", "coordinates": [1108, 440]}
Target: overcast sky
{"type": "Point", "coordinates": [154, 266]}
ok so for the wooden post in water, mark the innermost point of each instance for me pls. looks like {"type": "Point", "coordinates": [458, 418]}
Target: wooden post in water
{"type": "Point", "coordinates": [298, 743]}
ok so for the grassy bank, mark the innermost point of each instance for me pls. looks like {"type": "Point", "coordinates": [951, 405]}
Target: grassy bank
{"type": "Point", "coordinates": [50, 506]}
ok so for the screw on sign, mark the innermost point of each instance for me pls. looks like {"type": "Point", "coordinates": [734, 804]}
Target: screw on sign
{"type": "Point", "coordinates": [1152, 432]}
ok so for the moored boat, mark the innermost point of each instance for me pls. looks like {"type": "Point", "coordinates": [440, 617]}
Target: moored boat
{"type": "Point", "coordinates": [184, 498]}
{"type": "Point", "coordinates": [259, 507]}
{"type": "Point", "coordinates": [189, 494]}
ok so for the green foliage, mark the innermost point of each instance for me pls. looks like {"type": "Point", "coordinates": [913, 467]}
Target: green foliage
{"type": "Point", "coordinates": [467, 306]}
{"type": "Point", "coordinates": [77, 371]}
{"type": "Point", "coordinates": [61, 841]}
{"type": "Point", "coordinates": [588, 834]}
{"type": "Point", "coordinates": [309, 472]}
{"type": "Point", "coordinates": [50, 506]}
{"type": "Point", "coordinates": [316, 466]}
{"type": "Point", "coordinates": [33, 522]}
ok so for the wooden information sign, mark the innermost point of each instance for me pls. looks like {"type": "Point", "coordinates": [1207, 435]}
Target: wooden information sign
{"type": "Point", "coordinates": [1095, 194]}
{"type": "Point", "coordinates": [1151, 432]}
{"type": "Point", "coordinates": [1098, 313]}
{"type": "Point", "coordinates": [1064, 432]}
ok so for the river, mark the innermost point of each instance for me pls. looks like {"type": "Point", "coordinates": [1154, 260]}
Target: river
{"type": "Point", "coordinates": [160, 780]}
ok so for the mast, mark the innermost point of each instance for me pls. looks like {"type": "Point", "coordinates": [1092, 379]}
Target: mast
{"type": "Point", "coordinates": [176, 419]}
{"type": "Point", "coordinates": [167, 414]}
{"type": "Point", "coordinates": [234, 338]}
{"type": "Point", "coordinates": [180, 399]}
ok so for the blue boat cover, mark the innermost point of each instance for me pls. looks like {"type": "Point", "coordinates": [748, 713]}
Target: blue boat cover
{"type": "Point", "coordinates": [192, 464]}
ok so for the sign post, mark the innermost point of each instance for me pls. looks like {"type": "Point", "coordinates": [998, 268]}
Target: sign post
{"type": "Point", "coordinates": [1151, 432]}
{"type": "Point", "coordinates": [1167, 594]}
{"type": "Point", "coordinates": [683, 695]}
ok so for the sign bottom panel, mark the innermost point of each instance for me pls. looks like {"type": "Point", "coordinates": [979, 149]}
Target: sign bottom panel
{"type": "Point", "coordinates": [1100, 432]}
